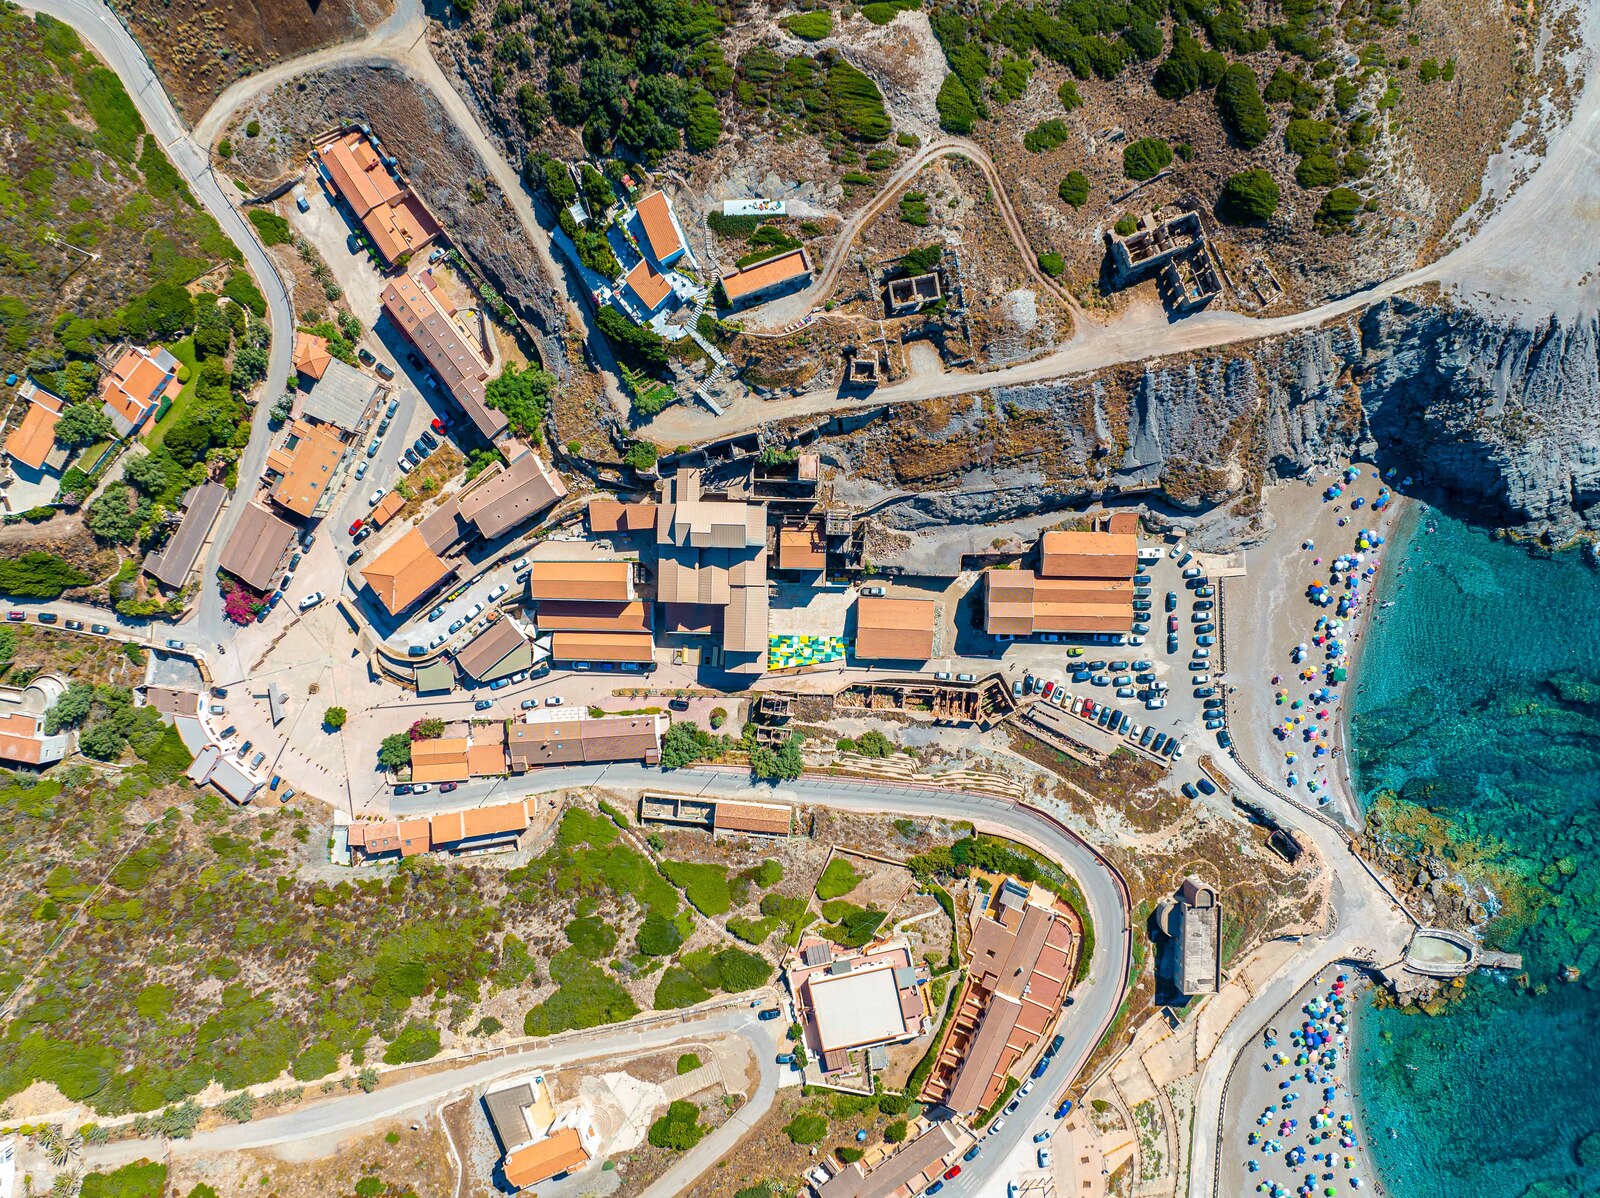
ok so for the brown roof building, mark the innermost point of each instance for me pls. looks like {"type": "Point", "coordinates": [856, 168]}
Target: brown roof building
{"type": "Point", "coordinates": [388, 508]}
{"type": "Point", "coordinates": [405, 572]}
{"type": "Point", "coordinates": [1123, 523]}
{"type": "Point", "coordinates": [393, 216]}
{"type": "Point", "coordinates": [910, 1171]}
{"type": "Point", "coordinates": [584, 741]}
{"type": "Point", "coordinates": [401, 228]}
{"type": "Point", "coordinates": [894, 629]}
{"type": "Point", "coordinates": [649, 284]}
{"type": "Point", "coordinates": [608, 516]}
{"type": "Point", "coordinates": [486, 755]}
{"type": "Point", "coordinates": [1021, 968]}
{"type": "Point", "coordinates": [803, 548]}
{"type": "Point", "coordinates": [760, 819]}
{"type": "Point", "coordinates": [417, 311]}
{"type": "Point", "coordinates": [22, 739]}
{"type": "Point", "coordinates": [660, 229]}
{"type": "Point", "coordinates": [761, 280]}
{"type": "Point", "coordinates": [1021, 603]}
{"type": "Point", "coordinates": [603, 646]}
{"type": "Point", "coordinates": [258, 543]}
{"type": "Point", "coordinates": [500, 823]}
{"type": "Point", "coordinates": [497, 652]}
{"type": "Point", "coordinates": [304, 464]}
{"type": "Point", "coordinates": [500, 500]}
{"type": "Point", "coordinates": [593, 581]}
{"type": "Point", "coordinates": [1088, 555]}
{"type": "Point", "coordinates": [170, 565]}
{"type": "Point", "coordinates": [406, 837]}
{"type": "Point", "coordinates": [560, 1152]}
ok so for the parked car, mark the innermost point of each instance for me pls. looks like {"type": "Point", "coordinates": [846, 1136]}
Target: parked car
{"type": "Point", "coordinates": [436, 613]}
{"type": "Point", "coordinates": [385, 371]}
{"type": "Point", "coordinates": [394, 404]}
{"type": "Point", "coordinates": [421, 788]}
{"type": "Point", "coordinates": [770, 1014]}
{"type": "Point", "coordinates": [500, 684]}
{"type": "Point", "coordinates": [1207, 787]}
{"type": "Point", "coordinates": [405, 466]}
{"type": "Point", "coordinates": [1155, 704]}
{"type": "Point", "coordinates": [1049, 689]}
{"type": "Point", "coordinates": [482, 705]}
{"type": "Point", "coordinates": [1017, 688]}
{"type": "Point", "coordinates": [971, 1154]}
{"type": "Point", "coordinates": [427, 438]}
{"type": "Point", "coordinates": [438, 426]}
{"type": "Point", "coordinates": [678, 704]}
{"type": "Point", "coordinates": [1217, 703]}
{"type": "Point", "coordinates": [174, 643]}
{"type": "Point", "coordinates": [1042, 1136]}
{"type": "Point", "coordinates": [1192, 572]}
{"type": "Point", "coordinates": [1172, 624]}
{"type": "Point", "coordinates": [75, 625]}
{"type": "Point", "coordinates": [1159, 743]}
{"type": "Point", "coordinates": [365, 356]}
{"type": "Point", "coordinates": [383, 426]}
{"type": "Point", "coordinates": [1125, 692]}
{"type": "Point", "coordinates": [1119, 667]}
{"type": "Point", "coordinates": [402, 788]}
{"type": "Point", "coordinates": [1204, 692]}
{"type": "Point", "coordinates": [1147, 736]}
{"type": "Point", "coordinates": [1044, 1158]}
{"type": "Point", "coordinates": [1200, 679]}
{"type": "Point", "coordinates": [47, 617]}
{"type": "Point", "coordinates": [311, 600]}
{"type": "Point", "coordinates": [361, 471]}
{"type": "Point", "coordinates": [497, 592]}
{"type": "Point", "coordinates": [994, 1128]}
{"type": "Point", "coordinates": [1189, 792]}
{"type": "Point", "coordinates": [363, 533]}
{"type": "Point", "coordinates": [1205, 639]}
{"type": "Point", "coordinates": [446, 787]}
{"type": "Point", "coordinates": [411, 455]}
{"type": "Point", "coordinates": [1204, 604]}
{"type": "Point", "coordinates": [14, 616]}
{"type": "Point", "coordinates": [966, 678]}
{"type": "Point", "coordinates": [474, 611]}
{"type": "Point", "coordinates": [99, 630]}
{"type": "Point", "coordinates": [255, 762]}
{"type": "Point", "coordinates": [518, 566]}
{"type": "Point", "coordinates": [420, 448]}
{"type": "Point", "coordinates": [785, 1058]}
{"type": "Point", "coordinates": [1201, 651]}
{"type": "Point", "coordinates": [1225, 740]}
{"type": "Point", "coordinates": [1205, 630]}
{"type": "Point", "coordinates": [1172, 600]}
{"type": "Point", "coordinates": [1185, 560]}
{"type": "Point", "coordinates": [377, 496]}
{"type": "Point", "coordinates": [1141, 605]}
{"type": "Point", "coordinates": [356, 526]}
{"type": "Point", "coordinates": [1064, 1109]}
{"type": "Point", "coordinates": [1204, 592]}
{"type": "Point", "coordinates": [873, 592]}
{"type": "Point", "coordinates": [457, 625]}
{"type": "Point", "coordinates": [952, 1172]}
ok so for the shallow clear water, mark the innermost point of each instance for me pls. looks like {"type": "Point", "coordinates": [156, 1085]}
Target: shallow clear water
{"type": "Point", "coordinates": [1479, 699]}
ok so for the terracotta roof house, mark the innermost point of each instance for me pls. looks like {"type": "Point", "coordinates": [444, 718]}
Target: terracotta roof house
{"type": "Point", "coordinates": [259, 541]}
{"type": "Point", "coordinates": [894, 629]}
{"type": "Point", "coordinates": [304, 464]}
{"type": "Point", "coordinates": [30, 443]}
{"type": "Point", "coordinates": [660, 228]}
{"type": "Point", "coordinates": [486, 755]}
{"type": "Point", "coordinates": [760, 819]}
{"type": "Point", "coordinates": [405, 572]}
{"type": "Point", "coordinates": [480, 827]}
{"type": "Point", "coordinates": [763, 280]}
{"type": "Point", "coordinates": [404, 838]}
{"type": "Point", "coordinates": [170, 565]}
{"type": "Point", "coordinates": [443, 759]}
{"type": "Point", "coordinates": [358, 173]}
{"type": "Point", "coordinates": [499, 500]}
{"type": "Point", "coordinates": [388, 508]}
{"type": "Point", "coordinates": [608, 516]}
{"type": "Point", "coordinates": [596, 581]}
{"type": "Point", "coordinates": [581, 616]}
{"type": "Point", "coordinates": [136, 386]}
{"type": "Point", "coordinates": [499, 651]}
{"type": "Point", "coordinates": [617, 647]}
{"type": "Point", "coordinates": [1021, 603]}
{"type": "Point", "coordinates": [1123, 523]}
{"type": "Point", "coordinates": [22, 740]}
{"type": "Point", "coordinates": [584, 741]}
{"type": "Point", "coordinates": [311, 355]}
{"type": "Point", "coordinates": [649, 285]}
{"type": "Point", "coordinates": [560, 1152]}
{"type": "Point", "coordinates": [416, 311]}
{"type": "Point", "coordinates": [400, 228]}
{"type": "Point", "coordinates": [912, 1170]}
{"type": "Point", "coordinates": [1088, 555]}
{"type": "Point", "coordinates": [803, 548]}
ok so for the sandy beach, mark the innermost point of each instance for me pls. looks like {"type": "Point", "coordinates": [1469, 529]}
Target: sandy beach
{"type": "Point", "coordinates": [1270, 1086]}
{"type": "Point", "coordinates": [1269, 613]}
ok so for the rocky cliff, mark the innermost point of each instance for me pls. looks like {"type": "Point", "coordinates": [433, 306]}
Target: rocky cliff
{"type": "Point", "coordinates": [1498, 420]}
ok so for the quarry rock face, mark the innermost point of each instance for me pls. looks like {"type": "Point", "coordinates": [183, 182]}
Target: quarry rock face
{"type": "Point", "coordinates": [1498, 420]}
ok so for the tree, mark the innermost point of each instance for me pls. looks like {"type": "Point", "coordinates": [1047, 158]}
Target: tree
{"type": "Point", "coordinates": [1074, 189]}
{"type": "Point", "coordinates": [1053, 264]}
{"type": "Point", "coordinates": [1146, 158]}
{"type": "Point", "coordinates": [428, 728]}
{"type": "Point", "coordinates": [895, 1132]}
{"type": "Point", "coordinates": [83, 424]}
{"type": "Point", "coordinates": [957, 114]}
{"type": "Point", "coordinates": [680, 1128]}
{"type": "Point", "coordinates": [1248, 196]}
{"type": "Point", "coordinates": [70, 708]}
{"type": "Point", "coordinates": [1239, 103]}
{"type": "Point", "coordinates": [704, 125]}
{"type": "Point", "coordinates": [118, 514]}
{"type": "Point", "coordinates": [658, 936]}
{"type": "Point", "coordinates": [335, 717]}
{"type": "Point", "coordinates": [1337, 210]}
{"type": "Point", "coordinates": [522, 395]}
{"type": "Point", "coordinates": [395, 751]}
{"type": "Point", "coordinates": [635, 344]}
{"type": "Point", "coordinates": [103, 741]}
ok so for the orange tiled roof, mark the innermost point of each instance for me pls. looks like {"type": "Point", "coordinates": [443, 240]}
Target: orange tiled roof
{"type": "Point", "coordinates": [404, 572]}
{"type": "Point", "coordinates": [656, 217]}
{"type": "Point", "coordinates": [649, 284]}
{"type": "Point", "coordinates": [311, 356]}
{"type": "Point", "coordinates": [358, 173]}
{"type": "Point", "coordinates": [32, 440]}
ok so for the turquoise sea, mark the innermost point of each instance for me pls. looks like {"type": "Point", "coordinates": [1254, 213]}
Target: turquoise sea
{"type": "Point", "coordinates": [1479, 700]}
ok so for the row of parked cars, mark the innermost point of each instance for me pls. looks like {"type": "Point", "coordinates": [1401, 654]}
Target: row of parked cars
{"type": "Point", "coordinates": [50, 617]}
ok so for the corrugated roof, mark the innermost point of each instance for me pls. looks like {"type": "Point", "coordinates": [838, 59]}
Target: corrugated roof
{"type": "Point", "coordinates": [568, 742]}
{"type": "Point", "coordinates": [1066, 554]}
{"type": "Point", "coordinates": [341, 396]}
{"type": "Point", "coordinates": [556, 616]}
{"type": "Point", "coordinates": [416, 313]}
{"type": "Point", "coordinates": [770, 272]}
{"type": "Point", "coordinates": [894, 629]}
{"type": "Point", "coordinates": [479, 656]}
{"type": "Point", "coordinates": [803, 548]}
{"type": "Point", "coordinates": [404, 572]}
{"type": "Point", "coordinates": [172, 564]}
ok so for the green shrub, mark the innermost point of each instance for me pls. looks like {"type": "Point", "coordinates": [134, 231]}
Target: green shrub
{"type": "Point", "coordinates": [592, 936]}
{"type": "Point", "coordinates": [705, 886]}
{"type": "Point", "coordinates": [334, 718]}
{"type": "Point", "coordinates": [318, 1060]}
{"type": "Point", "coordinates": [857, 103]}
{"type": "Point", "coordinates": [1074, 189]}
{"type": "Point", "coordinates": [1053, 264]}
{"type": "Point", "coordinates": [1305, 136]}
{"type": "Point", "coordinates": [587, 997]}
{"type": "Point", "coordinates": [914, 208]}
{"type": "Point", "coordinates": [680, 1128]}
{"type": "Point", "coordinates": [688, 1063]}
{"type": "Point", "coordinates": [1240, 106]}
{"type": "Point", "coordinates": [812, 26]}
{"type": "Point", "coordinates": [1317, 170]}
{"type": "Point", "coordinates": [1146, 158]}
{"type": "Point", "coordinates": [957, 113]}
{"type": "Point", "coordinates": [848, 1153]}
{"type": "Point", "coordinates": [895, 1132]}
{"type": "Point", "coordinates": [272, 228]}
{"type": "Point", "coordinates": [658, 936]}
{"type": "Point", "coordinates": [253, 129]}
{"type": "Point", "coordinates": [1046, 135]}
{"type": "Point", "coordinates": [38, 575]}
{"type": "Point", "coordinates": [1337, 210]}
{"type": "Point", "coordinates": [1249, 196]}
{"type": "Point", "coordinates": [141, 1179]}
{"type": "Point", "coordinates": [837, 880]}
{"type": "Point", "coordinates": [1067, 93]}
{"type": "Point", "coordinates": [679, 988]}
{"type": "Point", "coordinates": [1126, 226]}
{"type": "Point", "coordinates": [808, 1127]}
{"type": "Point", "coordinates": [416, 1042]}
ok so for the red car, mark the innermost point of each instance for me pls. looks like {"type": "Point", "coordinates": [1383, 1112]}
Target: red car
{"type": "Point", "coordinates": [1049, 689]}
{"type": "Point", "coordinates": [438, 426]}
{"type": "Point", "coordinates": [357, 527]}
{"type": "Point", "coordinates": [446, 787]}
{"type": "Point", "coordinates": [1172, 623]}
{"type": "Point", "coordinates": [952, 1172]}
{"type": "Point", "coordinates": [16, 615]}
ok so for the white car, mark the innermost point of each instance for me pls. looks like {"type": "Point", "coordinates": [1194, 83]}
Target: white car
{"type": "Point", "coordinates": [361, 471]}
{"type": "Point", "coordinates": [1136, 639]}
{"type": "Point", "coordinates": [375, 497]}
{"type": "Point", "coordinates": [1044, 1158]}
{"type": "Point", "coordinates": [311, 600]}
{"type": "Point", "coordinates": [497, 592]}
{"type": "Point", "coordinates": [994, 1128]}
{"type": "Point", "coordinates": [473, 612]}
{"type": "Point", "coordinates": [1201, 679]}
{"type": "Point", "coordinates": [436, 641]}
{"type": "Point", "coordinates": [1155, 704]}
{"type": "Point", "coordinates": [1201, 651]}
{"type": "Point", "coordinates": [405, 466]}
{"type": "Point", "coordinates": [518, 566]}
{"type": "Point", "coordinates": [1178, 752]}
{"type": "Point", "coordinates": [421, 788]}
{"type": "Point", "coordinates": [553, 701]}
{"type": "Point", "coordinates": [1027, 1087]}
